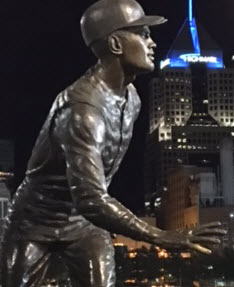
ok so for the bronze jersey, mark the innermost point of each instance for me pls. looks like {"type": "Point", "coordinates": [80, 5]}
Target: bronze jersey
{"type": "Point", "coordinates": [79, 149]}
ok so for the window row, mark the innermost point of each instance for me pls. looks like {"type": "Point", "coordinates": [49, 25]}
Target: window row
{"type": "Point", "coordinates": [177, 74]}
{"type": "Point", "coordinates": [177, 80]}
{"type": "Point", "coordinates": [221, 88]}
{"type": "Point", "coordinates": [177, 87]}
{"type": "Point", "coordinates": [221, 107]}
{"type": "Point", "coordinates": [215, 82]}
{"type": "Point", "coordinates": [221, 75]}
{"type": "Point", "coordinates": [178, 113]}
{"type": "Point", "coordinates": [222, 101]}
{"type": "Point", "coordinates": [230, 95]}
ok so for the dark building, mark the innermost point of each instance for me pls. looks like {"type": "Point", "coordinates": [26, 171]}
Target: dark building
{"type": "Point", "coordinates": [6, 155]}
{"type": "Point", "coordinates": [193, 197]}
{"type": "Point", "coordinates": [6, 176]}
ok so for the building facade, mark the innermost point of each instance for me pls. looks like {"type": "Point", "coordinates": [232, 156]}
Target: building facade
{"type": "Point", "coordinates": [191, 114]}
{"type": "Point", "coordinates": [193, 197]}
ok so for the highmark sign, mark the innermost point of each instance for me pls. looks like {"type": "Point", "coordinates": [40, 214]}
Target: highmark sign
{"type": "Point", "coordinates": [200, 59]}
{"type": "Point", "coordinates": [183, 61]}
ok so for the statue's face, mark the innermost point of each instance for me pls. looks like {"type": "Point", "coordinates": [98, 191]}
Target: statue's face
{"type": "Point", "coordinates": [138, 50]}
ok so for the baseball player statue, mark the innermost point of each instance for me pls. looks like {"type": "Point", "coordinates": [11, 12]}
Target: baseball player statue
{"type": "Point", "coordinates": [63, 203]}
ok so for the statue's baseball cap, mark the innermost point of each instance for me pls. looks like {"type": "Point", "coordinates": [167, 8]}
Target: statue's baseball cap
{"type": "Point", "coordinates": [106, 16]}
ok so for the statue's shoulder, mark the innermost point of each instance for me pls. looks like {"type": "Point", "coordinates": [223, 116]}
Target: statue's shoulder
{"type": "Point", "coordinates": [134, 100]}
{"type": "Point", "coordinates": [134, 97]}
{"type": "Point", "coordinates": [86, 90]}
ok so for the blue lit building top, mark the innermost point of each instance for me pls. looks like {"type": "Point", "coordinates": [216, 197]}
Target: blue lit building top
{"type": "Point", "coordinates": [193, 45]}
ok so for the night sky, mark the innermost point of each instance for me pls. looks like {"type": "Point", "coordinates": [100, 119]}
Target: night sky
{"type": "Point", "coordinates": [42, 52]}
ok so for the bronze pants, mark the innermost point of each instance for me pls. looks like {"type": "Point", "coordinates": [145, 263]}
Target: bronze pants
{"type": "Point", "coordinates": [90, 260]}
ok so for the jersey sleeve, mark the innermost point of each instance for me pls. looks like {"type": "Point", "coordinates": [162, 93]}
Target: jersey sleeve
{"type": "Point", "coordinates": [83, 141]}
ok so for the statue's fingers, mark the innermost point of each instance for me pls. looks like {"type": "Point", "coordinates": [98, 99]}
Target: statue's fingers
{"type": "Point", "coordinates": [199, 248]}
{"type": "Point", "coordinates": [210, 231]}
{"type": "Point", "coordinates": [210, 225]}
{"type": "Point", "coordinates": [205, 239]}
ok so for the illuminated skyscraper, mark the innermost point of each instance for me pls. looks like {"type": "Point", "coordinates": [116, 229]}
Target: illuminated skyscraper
{"type": "Point", "coordinates": [191, 108]}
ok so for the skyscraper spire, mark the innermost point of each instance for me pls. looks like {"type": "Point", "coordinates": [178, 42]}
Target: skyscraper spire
{"type": "Point", "coordinates": [190, 10]}
{"type": "Point", "coordinates": [193, 29]}
{"type": "Point", "coordinates": [193, 45]}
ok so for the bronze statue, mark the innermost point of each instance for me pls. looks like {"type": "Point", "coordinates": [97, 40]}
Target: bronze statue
{"type": "Point", "coordinates": [63, 203]}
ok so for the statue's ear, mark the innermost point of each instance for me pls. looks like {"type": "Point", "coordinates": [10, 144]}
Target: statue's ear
{"type": "Point", "coordinates": [115, 45]}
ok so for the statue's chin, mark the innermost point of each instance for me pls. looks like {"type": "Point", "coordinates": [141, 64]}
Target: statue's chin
{"type": "Point", "coordinates": [147, 69]}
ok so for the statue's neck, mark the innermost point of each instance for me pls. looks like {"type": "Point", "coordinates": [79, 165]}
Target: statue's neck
{"type": "Point", "coordinates": [114, 76]}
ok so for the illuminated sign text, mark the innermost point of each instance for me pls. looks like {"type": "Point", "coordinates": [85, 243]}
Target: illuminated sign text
{"type": "Point", "coordinates": [199, 59]}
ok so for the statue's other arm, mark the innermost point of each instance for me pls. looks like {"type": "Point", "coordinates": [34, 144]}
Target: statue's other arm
{"type": "Point", "coordinates": [83, 140]}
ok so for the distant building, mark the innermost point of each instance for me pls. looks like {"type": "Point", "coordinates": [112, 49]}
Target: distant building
{"type": "Point", "coordinates": [6, 169]}
{"type": "Point", "coordinates": [194, 197]}
{"type": "Point", "coordinates": [4, 198]}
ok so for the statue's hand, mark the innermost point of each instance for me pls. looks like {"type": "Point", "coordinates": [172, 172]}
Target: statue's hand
{"type": "Point", "coordinates": [192, 238]}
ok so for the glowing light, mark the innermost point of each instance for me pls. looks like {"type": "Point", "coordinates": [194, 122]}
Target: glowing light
{"type": "Point", "coordinates": [190, 10]}
{"type": "Point", "coordinates": [193, 58]}
{"type": "Point", "coordinates": [178, 63]}
{"type": "Point", "coordinates": [194, 34]}
{"type": "Point", "coordinates": [186, 255]}
{"type": "Point", "coordinates": [130, 281]}
{"type": "Point", "coordinates": [163, 254]}
{"type": "Point", "coordinates": [164, 63]}
{"type": "Point", "coordinates": [183, 61]}
{"type": "Point", "coordinates": [6, 174]}
{"type": "Point", "coordinates": [118, 244]}
{"type": "Point", "coordinates": [132, 254]}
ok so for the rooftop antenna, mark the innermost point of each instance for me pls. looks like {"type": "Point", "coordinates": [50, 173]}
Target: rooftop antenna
{"type": "Point", "coordinates": [193, 29]}
{"type": "Point", "coordinates": [190, 10]}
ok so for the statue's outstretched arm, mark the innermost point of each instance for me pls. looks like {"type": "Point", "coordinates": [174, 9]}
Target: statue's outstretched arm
{"type": "Point", "coordinates": [83, 138]}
